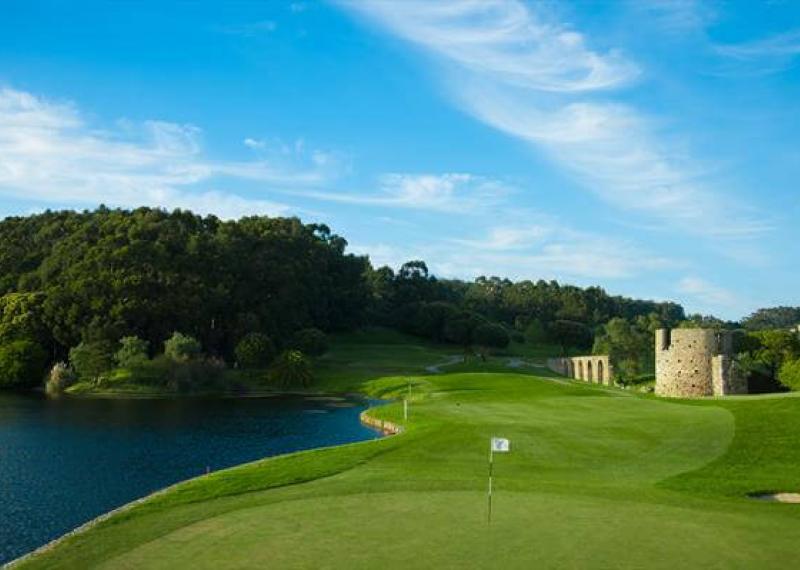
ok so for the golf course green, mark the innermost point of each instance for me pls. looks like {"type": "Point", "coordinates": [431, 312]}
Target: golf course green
{"type": "Point", "coordinates": [597, 477]}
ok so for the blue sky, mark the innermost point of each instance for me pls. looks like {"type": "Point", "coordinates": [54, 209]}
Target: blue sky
{"type": "Point", "coordinates": [651, 148]}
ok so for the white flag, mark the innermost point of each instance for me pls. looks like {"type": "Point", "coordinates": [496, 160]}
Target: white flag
{"type": "Point", "coordinates": [500, 445]}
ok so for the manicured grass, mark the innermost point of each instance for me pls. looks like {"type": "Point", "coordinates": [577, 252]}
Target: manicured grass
{"type": "Point", "coordinates": [597, 478]}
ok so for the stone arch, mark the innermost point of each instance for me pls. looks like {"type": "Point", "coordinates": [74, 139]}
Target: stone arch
{"type": "Point", "coordinates": [589, 371]}
{"type": "Point", "coordinates": [600, 376]}
{"type": "Point", "coordinates": [570, 369]}
{"type": "Point", "coordinates": [580, 370]}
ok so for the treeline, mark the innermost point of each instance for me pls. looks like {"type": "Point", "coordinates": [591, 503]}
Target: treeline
{"type": "Point", "coordinates": [537, 311]}
{"type": "Point", "coordinates": [90, 279]}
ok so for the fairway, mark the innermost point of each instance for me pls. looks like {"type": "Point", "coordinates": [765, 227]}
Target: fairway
{"type": "Point", "coordinates": [596, 478]}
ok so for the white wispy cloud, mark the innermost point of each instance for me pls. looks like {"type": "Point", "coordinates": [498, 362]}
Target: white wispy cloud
{"type": "Point", "coordinates": [763, 56]}
{"type": "Point", "coordinates": [540, 81]}
{"type": "Point", "coordinates": [48, 153]}
{"type": "Point", "coordinates": [543, 250]}
{"type": "Point", "coordinates": [785, 44]}
{"type": "Point", "coordinates": [677, 16]}
{"type": "Point", "coordinates": [709, 295]}
{"type": "Point", "coordinates": [503, 39]}
{"type": "Point", "coordinates": [448, 192]}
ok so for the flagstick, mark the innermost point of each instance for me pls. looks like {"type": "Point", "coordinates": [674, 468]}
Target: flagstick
{"type": "Point", "coordinates": [405, 402]}
{"type": "Point", "coordinates": [491, 464]}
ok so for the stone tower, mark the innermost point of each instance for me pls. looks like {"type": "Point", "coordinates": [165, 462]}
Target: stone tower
{"type": "Point", "coordinates": [696, 362]}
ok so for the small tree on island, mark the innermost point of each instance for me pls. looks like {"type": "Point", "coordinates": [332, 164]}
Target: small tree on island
{"type": "Point", "coordinates": [255, 350]}
{"type": "Point", "coordinates": [291, 369]}
{"type": "Point", "coordinates": [181, 348]}
{"type": "Point", "coordinates": [133, 352]}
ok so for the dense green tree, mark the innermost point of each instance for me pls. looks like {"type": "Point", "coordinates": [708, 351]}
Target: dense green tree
{"type": "Point", "coordinates": [310, 341]}
{"type": "Point", "coordinates": [773, 318]}
{"type": "Point", "coordinates": [21, 318]}
{"type": "Point", "coordinates": [629, 345]}
{"type": "Point", "coordinates": [490, 335]}
{"type": "Point", "coordinates": [22, 364]}
{"type": "Point", "coordinates": [291, 370]}
{"type": "Point", "coordinates": [91, 359]}
{"type": "Point", "coordinates": [775, 347]}
{"type": "Point", "coordinates": [133, 351]}
{"type": "Point", "coordinates": [180, 347]}
{"type": "Point", "coordinates": [789, 374]}
{"type": "Point", "coordinates": [570, 334]}
{"type": "Point", "coordinates": [458, 330]}
{"type": "Point", "coordinates": [255, 350]}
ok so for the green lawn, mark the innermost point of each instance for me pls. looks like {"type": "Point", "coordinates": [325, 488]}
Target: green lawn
{"type": "Point", "coordinates": [597, 478]}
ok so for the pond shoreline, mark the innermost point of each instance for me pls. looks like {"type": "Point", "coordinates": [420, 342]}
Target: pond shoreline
{"type": "Point", "coordinates": [324, 399]}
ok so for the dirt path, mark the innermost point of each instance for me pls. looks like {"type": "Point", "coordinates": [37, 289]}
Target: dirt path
{"type": "Point", "coordinates": [437, 368]}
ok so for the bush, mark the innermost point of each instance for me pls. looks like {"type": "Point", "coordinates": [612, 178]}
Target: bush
{"type": "Point", "coordinates": [789, 374]}
{"type": "Point", "coordinates": [179, 376]}
{"type": "Point", "coordinates": [22, 364]}
{"type": "Point", "coordinates": [518, 337]}
{"type": "Point", "coordinates": [490, 335]}
{"type": "Point", "coordinates": [91, 359]}
{"type": "Point", "coordinates": [310, 341]}
{"type": "Point", "coordinates": [255, 350]}
{"type": "Point", "coordinates": [291, 369]}
{"type": "Point", "coordinates": [133, 351]}
{"type": "Point", "coordinates": [60, 378]}
{"type": "Point", "coordinates": [180, 347]}
{"type": "Point", "coordinates": [458, 330]}
{"type": "Point", "coordinates": [197, 374]}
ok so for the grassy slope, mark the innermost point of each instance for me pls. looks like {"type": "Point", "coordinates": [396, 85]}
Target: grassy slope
{"type": "Point", "coordinates": [597, 478]}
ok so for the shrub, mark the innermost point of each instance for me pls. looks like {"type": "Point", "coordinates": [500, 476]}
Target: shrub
{"type": "Point", "coordinates": [180, 347]}
{"type": "Point", "coordinates": [179, 376]}
{"type": "Point", "coordinates": [60, 378]}
{"type": "Point", "coordinates": [195, 374]}
{"type": "Point", "coordinates": [789, 374]}
{"type": "Point", "coordinates": [255, 350]}
{"type": "Point", "coordinates": [91, 359]}
{"type": "Point", "coordinates": [518, 337]}
{"type": "Point", "coordinates": [291, 369]}
{"type": "Point", "coordinates": [490, 335]}
{"type": "Point", "coordinates": [22, 363]}
{"type": "Point", "coordinates": [133, 351]}
{"type": "Point", "coordinates": [310, 341]}
{"type": "Point", "coordinates": [458, 331]}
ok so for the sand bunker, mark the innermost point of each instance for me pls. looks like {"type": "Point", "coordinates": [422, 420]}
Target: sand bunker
{"type": "Point", "coordinates": [777, 497]}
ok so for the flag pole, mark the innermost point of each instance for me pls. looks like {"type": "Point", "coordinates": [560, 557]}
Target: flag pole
{"type": "Point", "coordinates": [405, 401]}
{"type": "Point", "coordinates": [491, 464]}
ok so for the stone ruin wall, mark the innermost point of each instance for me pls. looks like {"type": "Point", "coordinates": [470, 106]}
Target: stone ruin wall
{"type": "Point", "coordinates": [696, 362]}
{"type": "Point", "coordinates": [593, 369]}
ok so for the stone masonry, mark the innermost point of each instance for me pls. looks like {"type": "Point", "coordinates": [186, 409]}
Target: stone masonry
{"type": "Point", "coordinates": [696, 362]}
{"type": "Point", "coordinates": [595, 369]}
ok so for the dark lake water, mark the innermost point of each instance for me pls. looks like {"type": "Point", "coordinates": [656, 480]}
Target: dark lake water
{"type": "Point", "coordinates": [63, 462]}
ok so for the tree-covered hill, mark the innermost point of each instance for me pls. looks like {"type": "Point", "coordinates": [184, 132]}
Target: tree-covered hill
{"type": "Point", "coordinates": [99, 276]}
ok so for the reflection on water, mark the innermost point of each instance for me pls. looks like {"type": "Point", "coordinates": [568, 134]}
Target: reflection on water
{"type": "Point", "coordinates": [63, 462]}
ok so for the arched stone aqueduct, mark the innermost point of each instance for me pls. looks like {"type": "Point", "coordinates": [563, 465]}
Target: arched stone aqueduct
{"type": "Point", "coordinates": [593, 369]}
